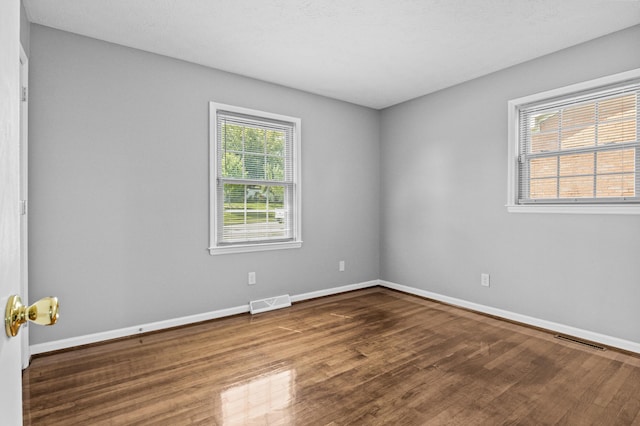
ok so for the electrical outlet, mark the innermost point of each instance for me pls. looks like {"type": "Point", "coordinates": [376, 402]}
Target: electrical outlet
{"type": "Point", "coordinates": [485, 280]}
{"type": "Point", "coordinates": [251, 278]}
{"type": "Point", "coordinates": [341, 266]}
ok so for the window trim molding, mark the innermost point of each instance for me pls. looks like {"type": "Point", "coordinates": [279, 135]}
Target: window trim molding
{"type": "Point", "coordinates": [513, 150]}
{"type": "Point", "coordinates": [214, 248]}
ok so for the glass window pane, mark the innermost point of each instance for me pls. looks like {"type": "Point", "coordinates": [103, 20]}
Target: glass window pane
{"type": "Point", "coordinates": [544, 142]}
{"type": "Point", "coordinates": [546, 121]}
{"type": "Point", "coordinates": [618, 161]}
{"type": "Point", "coordinates": [233, 211]}
{"type": "Point", "coordinates": [544, 131]}
{"type": "Point", "coordinates": [543, 167]}
{"type": "Point", "coordinates": [233, 195]}
{"type": "Point", "coordinates": [617, 132]}
{"type": "Point", "coordinates": [578, 137]}
{"type": "Point", "coordinates": [232, 165]}
{"type": "Point", "coordinates": [617, 108]}
{"type": "Point", "coordinates": [255, 217]}
{"type": "Point", "coordinates": [275, 168]}
{"type": "Point", "coordinates": [276, 197]}
{"type": "Point", "coordinates": [543, 188]}
{"type": "Point", "coordinates": [256, 203]}
{"type": "Point", "coordinates": [254, 139]}
{"type": "Point", "coordinates": [231, 137]}
{"type": "Point", "coordinates": [579, 116]}
{"type": "Point", "coordinates": [275, 142]}
{"type": "Point", "coordinates": [615, 185]}
{"type": "Point", "coordinates": [579, 164]}
{"type": "Point", "coordinates": [576, 187]}
{"type": "Point", "coordinates": [254, 166]}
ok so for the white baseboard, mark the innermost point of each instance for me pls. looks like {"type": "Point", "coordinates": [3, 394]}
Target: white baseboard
{"type": "Point", "coordinates": [133, 330]}
{"type": "Point", "coordinates": [334, 290]}
{"type": "Point", "coordinates": [176, 322]}
{"type": "Point", "coordinates": [604, 339]}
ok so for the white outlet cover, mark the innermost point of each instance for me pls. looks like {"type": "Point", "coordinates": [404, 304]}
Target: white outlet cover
{"type": "Point", "coordinates": [485, 280]}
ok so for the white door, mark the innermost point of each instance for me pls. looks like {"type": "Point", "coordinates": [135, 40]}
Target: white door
{"type": "Point", "coordinates": [10, 348]}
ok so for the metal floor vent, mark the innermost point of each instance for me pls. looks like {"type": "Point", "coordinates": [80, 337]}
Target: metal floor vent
{"type": "Point", "coordinates": [580, 342]}
{"type": "Point", "coordinates": [269, 304]}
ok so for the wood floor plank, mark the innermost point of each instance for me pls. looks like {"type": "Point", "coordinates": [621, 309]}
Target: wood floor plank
{"type": "Point", "coordinates": [370, 357]}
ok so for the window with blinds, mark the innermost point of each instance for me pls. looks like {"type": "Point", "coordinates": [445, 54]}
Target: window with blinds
{"type": "Point", "coordinates": [255, 185]}
{"type": "Point", "coordinates": [581, 148]}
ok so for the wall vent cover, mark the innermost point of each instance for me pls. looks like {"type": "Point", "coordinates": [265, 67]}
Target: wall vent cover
{"type": "Point", "coordinates": [269, 304]}
{"type": "Point", "coordinates": [580, 342]}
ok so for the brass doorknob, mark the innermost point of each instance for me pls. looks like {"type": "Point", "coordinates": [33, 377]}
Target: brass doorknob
{"type": "Point", "coordinates": [43, 312]}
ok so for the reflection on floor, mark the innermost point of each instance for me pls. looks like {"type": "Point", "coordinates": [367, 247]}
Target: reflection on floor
{"type": "Point", "coordinates": [265, 398]}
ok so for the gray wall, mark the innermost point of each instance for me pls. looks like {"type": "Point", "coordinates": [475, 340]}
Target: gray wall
{"type": "Point", "coordinates": [444, 180]}
{"type": "Point", "coordinates": [119, 188]}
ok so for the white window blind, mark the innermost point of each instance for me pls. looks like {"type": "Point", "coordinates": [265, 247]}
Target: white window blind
{"type": "Point", "coordinates": [256, 199]}
{"type": "Point", "coordinates": [581, 149]}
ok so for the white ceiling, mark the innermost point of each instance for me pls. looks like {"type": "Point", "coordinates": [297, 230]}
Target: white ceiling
{"type": "Point", "coordinates": [369, 52]}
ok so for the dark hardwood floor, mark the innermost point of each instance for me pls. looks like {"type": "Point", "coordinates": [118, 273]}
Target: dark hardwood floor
{"type": "Point", "coordinates": [371, 357]}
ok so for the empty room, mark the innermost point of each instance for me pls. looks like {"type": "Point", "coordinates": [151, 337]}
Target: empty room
{"type": "Point", "coordinates": [281, 212]}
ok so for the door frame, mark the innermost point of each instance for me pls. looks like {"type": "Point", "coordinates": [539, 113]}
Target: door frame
{"type": "Point", "coordinates": [24, 192]}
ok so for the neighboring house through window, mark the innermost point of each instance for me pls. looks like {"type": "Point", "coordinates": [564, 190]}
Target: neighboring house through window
{"type": "Point", "coordinates": [255, 180]}
{"type": "Point", "coordinates": [576, 149]}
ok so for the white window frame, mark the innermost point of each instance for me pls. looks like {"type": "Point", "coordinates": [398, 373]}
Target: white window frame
{"type": "Point", "coordinates": [214, 247]}
{"type": "Point", "coordinates": [513, 206]}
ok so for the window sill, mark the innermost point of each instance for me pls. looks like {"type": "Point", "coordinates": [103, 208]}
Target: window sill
{"type": "Point", "coordinates": [574, 209]}
{"type": "Point", "coordinates": [254, 247]}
